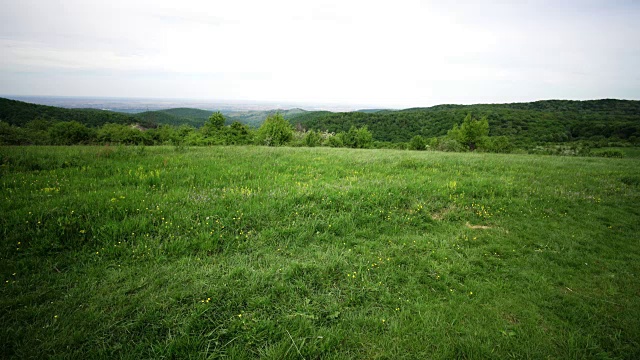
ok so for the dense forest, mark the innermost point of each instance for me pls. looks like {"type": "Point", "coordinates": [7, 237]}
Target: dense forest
{"type": "Point", "coordinates": [20, 113]}
{"type": "Point", "coordinates": [505, 127]}
{"type": "Point", "coordinates": [525, 123]}
{"type": "Point", "coordinates": [197, 117]}
{"type": "Point", "coordinates": [175, 117]}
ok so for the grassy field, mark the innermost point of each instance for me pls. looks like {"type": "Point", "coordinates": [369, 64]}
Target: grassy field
{"type": "Point", "coordinates": [628, 152]}
{"type": "Point", "coordinates": [308, 253]}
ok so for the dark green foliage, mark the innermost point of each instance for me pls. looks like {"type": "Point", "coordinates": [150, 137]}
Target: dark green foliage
{"type": "Point", "coordinates": [614, 153]}
{"type": "Point", "coordinates": [216, 120]}
{"type": "Point", "coordinates": [471, 133]}
{"type": "Point", "coordinates": [69, 133]}
{"type": "Point", "coordinates": [358, 138]}
{"type": "Point", "coordinates": [161, 117]}
{"type": "Point", "coordinates": [239, 134]}
{"type": "Point", "coordinates": [449, 144]}
{"type": "Point", "coordinates": [417, 143]}
{"type": "Point", "coordinates": [20, 113]}
{"type": "Point", "coordinates": [122, 134]}
{"type": "Point", "coordinates": [525, 123]}
{"type": "Point", "coordinates": [312, 139]}
{"type": "Point", "coordinates": [595, 124]}
{"type": "Point", "coordinates": [255, 118]}
{"type": "Point", "coordinates": [175, 117]}
{"type": "Point", "coordinates": [14, 135]}
{"type": "Point", "coordinates": [336, 140]}
{"type": "Point", "coordinates": [213, 129]}
{"type": "Point", "coordinates": [498, 144]}
{"type": "Point", "coordinates": [163, 134]}
{"type": "Point", "coordinates": [275, 131]}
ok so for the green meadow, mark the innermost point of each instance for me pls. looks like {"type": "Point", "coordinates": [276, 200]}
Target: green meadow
{"type": "Point", "coordinates": [317, 253]}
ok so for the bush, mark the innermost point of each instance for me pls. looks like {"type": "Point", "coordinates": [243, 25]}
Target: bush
{"type": "Point", "coordinates": [498, 144]}
{"type": "Point", "coordinates": [120, 134]}
{"type": "Point", "coordinates": [472, 133]}
{"type": "Point", "coordinates": [312, 139]}
{"type": "Point", "coordinates": [448, 144]}
{"type": "Point", "coordinates": [335, 140]}
{"type": "Point", "coordinates": [239, 134]}
{"type": "Point", "coordinates": [611, 153]}
{"type": "Point", "coordinates": [275, 131]}
{"type": "Point", "coordinates": [418, 143]}
{"type": "Point", "coordinates": [13, 135]}
{"type": "Point", "coordinates": [69, 133]}
{"type": "Point", "coordinates": [358, 138]}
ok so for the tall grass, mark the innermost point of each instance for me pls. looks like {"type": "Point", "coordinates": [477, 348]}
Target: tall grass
{"type": "Point", "coordinates": [249, 252]}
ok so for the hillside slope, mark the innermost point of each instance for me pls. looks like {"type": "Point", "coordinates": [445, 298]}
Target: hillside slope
{"type": "Point", "coordinates": [255, 118]}
{"type": "Point", "coordinates": [175, 117]}
{"type": "Point", "coordinates": [19, 113]}
{"type": "Point", "coordinates": [540, 121]}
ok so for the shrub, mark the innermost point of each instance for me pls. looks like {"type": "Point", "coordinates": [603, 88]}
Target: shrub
{"type": "Point", "coordinates": [448, 144]}
{"type": "Point", "coordinates": [239, 134]}
{"type": "Point", "coordinates": [417, 143]}
{"type": "Point", "coordinates": [335, 140]}
{"type": "Point", "coordinates": [312, 139]}
{"type": "Point", "coordinates": [69, 133]}
{"type": "Point", "coordinates": [275, 131]}
{"type": "Point", "coordinates": [611, 153]}
{"type": "Point", "coordinates": [498, 144]}
{"type": "Point", "coordinates": [359, 138]}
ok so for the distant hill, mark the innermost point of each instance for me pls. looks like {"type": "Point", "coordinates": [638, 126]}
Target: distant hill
{"type": "Point", "coordinates": [255, 118]}
{"type": "Point", "coordinates": [19, 113]}
{"type": "Point", "coordinates": [190, 113]}
{"type": "Point", "coordinates": [540, 121]}
{"type": "Point", "coordinates": [176, 117]}
{"type": "Point", "coordinates": [197, 117]}
{"type": "Point", "coordinates": [371, 110]}
{"type": "Point", "coordinates": [533, 122]}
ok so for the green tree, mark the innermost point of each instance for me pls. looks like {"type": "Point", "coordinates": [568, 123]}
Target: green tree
{"type": "Point", "coordinates": [275, 131]}
{"type": "Point", "coordinates": [498, 144]}
{"type": "Point", "coordinates": [360, 138]}
{"type": "Point", "coordinates": [312, 139]}
{"type": "Point", "coordinates": [216, 120]}
{"type": "Point", "coordinates": [12, 135]}
{"type": "Point", "coordinates": [238, 134]}
{"type": "Point", "coordinates": [69, 133]}
{"type": "Point", "coordinates": [336, 140]}
{"type": "Point", "coordinates": [417, 143]}
{"type": "Point", "coordinates": [471, 133]}
{"type": "Point", "coordinates": [213, 126]}
{"type": "Point", "coordinates": [121, 134]}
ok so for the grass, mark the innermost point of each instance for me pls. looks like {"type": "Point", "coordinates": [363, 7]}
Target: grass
{"type": "Point", "coordinates": [247, 252]}
{"type": "Point", "coordinates": [627, 152]}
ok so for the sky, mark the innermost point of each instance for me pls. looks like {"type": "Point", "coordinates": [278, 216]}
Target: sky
{"type": "Point", "coordinates": [394, 54]}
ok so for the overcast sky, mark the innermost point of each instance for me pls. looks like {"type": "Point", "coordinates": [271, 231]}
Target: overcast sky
{"type": "Point", "coordinates": [379, 53]}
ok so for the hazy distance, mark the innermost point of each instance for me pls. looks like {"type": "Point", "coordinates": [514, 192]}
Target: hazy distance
{"type": "Point", "coordinates": [346, 53]}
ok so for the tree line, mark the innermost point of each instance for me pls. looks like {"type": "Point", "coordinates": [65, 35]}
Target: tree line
{"type": "Point", "coordinates": [525, 124]}
{"type": "Point", "coordinates": [493, 128]}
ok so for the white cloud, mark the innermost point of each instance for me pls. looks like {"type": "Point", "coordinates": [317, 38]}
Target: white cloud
{"type": "Point", "coordinates": [406, 53]}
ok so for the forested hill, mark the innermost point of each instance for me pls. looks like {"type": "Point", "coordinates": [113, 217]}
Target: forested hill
{"type": "Point", "coordinates": [534, 122]}
{"type": "Point", "coordinates": [197, 117]}
{"type": "Point", "coordinates": [176, 117]}
{"type": "Point", "coordinates": [20, 113]}
{"type": "Point", "coordinates": [255, 118]}
{"type": "Point", "coordinates": [540, 121]}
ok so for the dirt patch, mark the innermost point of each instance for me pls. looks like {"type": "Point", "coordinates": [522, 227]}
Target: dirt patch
{"type": "Point", "coordinates": [477, 226]}
{"type": "Point", "coordinates": [511, 318]}
{"type": "Point", "coordinates": [440, 214]}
